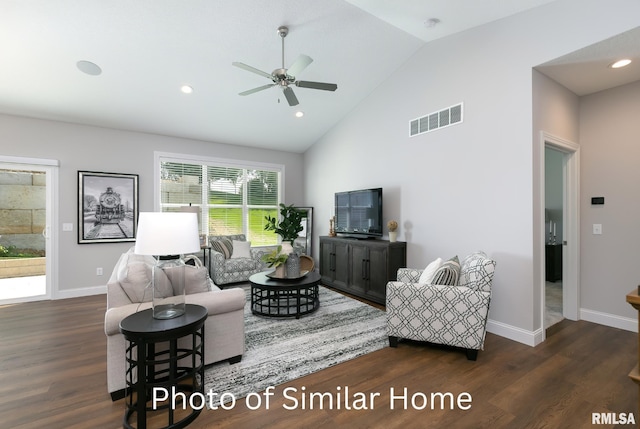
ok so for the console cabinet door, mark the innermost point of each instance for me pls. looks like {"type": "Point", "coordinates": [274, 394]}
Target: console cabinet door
{"type": "Point", "coordinates": [378, 273]}
{"type": "Point", "coordinates": [334, 267]}
{"type": "Point", "coordinates": [326, 262]}
{"type": "Point", "coordinates": [359, 269]}
{"type": "Point", "coordinates": [341, 265]}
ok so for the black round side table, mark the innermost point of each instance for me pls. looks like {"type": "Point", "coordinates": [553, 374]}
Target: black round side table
{"type": "Point", "coordinates": [156, 360]}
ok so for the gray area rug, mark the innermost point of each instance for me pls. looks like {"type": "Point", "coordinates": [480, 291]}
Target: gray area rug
{"type": "Point", "coordinates": [280, 350]}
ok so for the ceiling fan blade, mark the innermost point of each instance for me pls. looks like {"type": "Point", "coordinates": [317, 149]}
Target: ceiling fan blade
{"type": "Point", "coordinates": [299, 64]}
{"type": "Point", "coordinates": [290, 96]}
{"type": "Point", "coordinates": [317, 85]}
{"type": "Point", "coordinates": [252, 70]}
{"type": "Point", "coordinates": [260, 88]}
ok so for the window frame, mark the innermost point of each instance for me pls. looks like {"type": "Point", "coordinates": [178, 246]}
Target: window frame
{"type": "Point", "coordinates": [160, 157]}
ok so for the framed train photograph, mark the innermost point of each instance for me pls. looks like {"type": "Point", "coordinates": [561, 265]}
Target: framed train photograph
{"type": "Point", "coordinates": [107, 207]}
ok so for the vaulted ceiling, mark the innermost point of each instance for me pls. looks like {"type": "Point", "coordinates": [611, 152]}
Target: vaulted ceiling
{"type": "Point", "coordinates": [148, 49]}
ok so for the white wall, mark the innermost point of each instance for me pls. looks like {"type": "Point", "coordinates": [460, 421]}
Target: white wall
{"type": "Point", "coordinates": [609, 137]}
{"type": "Point", "coordinates": [88, 148]}
{"type": "Point", "coordinates": [469, 186]}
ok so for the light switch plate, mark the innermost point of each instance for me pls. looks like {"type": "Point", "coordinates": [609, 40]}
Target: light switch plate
{"type": "Point", "coordinates": [67, 227]}
{"type": "Point", "coordinates": [597, 228]}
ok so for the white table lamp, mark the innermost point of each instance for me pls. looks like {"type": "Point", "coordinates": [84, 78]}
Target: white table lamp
{"type": "Point", "coordinates": [168, 235]}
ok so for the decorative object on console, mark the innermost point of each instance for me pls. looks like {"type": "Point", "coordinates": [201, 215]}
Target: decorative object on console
{"type": "Point", "coordinates": [393, 233]}
{"type": "Point", "coordinates": [168, 235]}
{"type": "Point", "coordinates": [332, 227]}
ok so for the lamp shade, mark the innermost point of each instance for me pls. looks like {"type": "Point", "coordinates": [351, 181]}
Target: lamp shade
{"type": "Point", "coordinates": [167, 233]}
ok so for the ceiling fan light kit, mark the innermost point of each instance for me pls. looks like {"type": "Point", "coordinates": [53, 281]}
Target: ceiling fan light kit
{"type": "Point", "coordinates": [284, 77]}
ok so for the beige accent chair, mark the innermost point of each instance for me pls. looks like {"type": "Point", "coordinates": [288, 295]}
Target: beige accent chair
{"type": "Point", "coordinates": [131, 292]}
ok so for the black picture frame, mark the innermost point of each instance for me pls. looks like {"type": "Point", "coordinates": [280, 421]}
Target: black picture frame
{"type": "Point", "coordinates": [302, 244]}
{"type": "Point", "coordinates": [107, 207]}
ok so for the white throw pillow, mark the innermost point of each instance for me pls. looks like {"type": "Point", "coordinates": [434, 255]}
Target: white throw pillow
{"type": "Point", "coordinates": [427, 274]}
{"type": "Point", "coordinates": [241, 249]}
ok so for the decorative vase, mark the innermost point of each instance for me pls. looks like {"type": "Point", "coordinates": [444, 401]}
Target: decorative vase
{"type": "Point", "coordinates": [280, 271]}
{"type": "Point", "coordinates": [287, 247]}
{"type": "Point", "coordinates": [393, 236]}
{"type": "Point", "coordinates": [293, 265]}
{"type": "Point", "coordinates": [168, 287]}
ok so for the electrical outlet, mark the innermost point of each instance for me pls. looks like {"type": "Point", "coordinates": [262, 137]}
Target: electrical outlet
{"type": "Point", "coordinates": [99, 271]}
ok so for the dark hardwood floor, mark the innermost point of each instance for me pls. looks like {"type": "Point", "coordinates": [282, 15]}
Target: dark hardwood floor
{"type": "Point", "coordinates": [53, 375]}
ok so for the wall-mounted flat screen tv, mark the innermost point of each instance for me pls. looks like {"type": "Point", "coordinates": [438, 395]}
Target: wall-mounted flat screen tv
{"type": "Point", "coordinates": [359, 213]}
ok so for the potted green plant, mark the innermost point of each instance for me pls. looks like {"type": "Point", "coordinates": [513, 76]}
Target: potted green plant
{"type": "Point", "coordinates": [290, 223]}
{"type": "Point", "coordinates": [276, 259]}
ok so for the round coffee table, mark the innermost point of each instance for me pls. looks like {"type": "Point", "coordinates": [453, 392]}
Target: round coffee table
{"type": "Point", "coordinates": [284, 297]}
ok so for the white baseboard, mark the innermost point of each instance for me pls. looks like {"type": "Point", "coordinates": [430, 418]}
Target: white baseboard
{"type": "Point", "coordinates": [530, 338]}
{"type": "Point", "coordinates": [611, 320]}
{"type": "Point", "coordinates": [76, 293]}
{"type": "Point", "coordinates": [533, 338]}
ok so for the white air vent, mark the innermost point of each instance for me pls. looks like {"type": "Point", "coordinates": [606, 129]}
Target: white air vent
{"type": "Point", "coordinates": [433, 121]}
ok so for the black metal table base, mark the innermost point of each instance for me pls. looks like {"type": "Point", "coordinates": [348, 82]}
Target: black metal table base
{"type": "Point", "coordinates": [271, 297]}
{"type": "Point", "coordinates": [284, 303]}
{"type": "Point", "coordinates": [161, 360]}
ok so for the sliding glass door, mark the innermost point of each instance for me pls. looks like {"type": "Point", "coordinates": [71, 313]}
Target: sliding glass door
{"type": "Point", "coordinates": [26, 238]}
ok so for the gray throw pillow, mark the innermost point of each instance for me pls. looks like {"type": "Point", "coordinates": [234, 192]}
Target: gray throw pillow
{"type": "Point", "coordinates": [448, 273]}
{"type": "Point", "coordinates": [224, 246]}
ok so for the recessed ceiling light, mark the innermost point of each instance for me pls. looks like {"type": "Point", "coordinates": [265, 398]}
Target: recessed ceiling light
{"type": "Point", "coordinates": [186, 89]}
{"type": "Point", "coordinates": [620, 63]}
{"type": "Point", "coordinates": [299, 114]}
{"type": "Point", "coordinates": [89, 68]}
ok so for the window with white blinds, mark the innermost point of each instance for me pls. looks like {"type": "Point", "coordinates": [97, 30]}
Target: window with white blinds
{"type": "Point", "coordinates": [230, 198]}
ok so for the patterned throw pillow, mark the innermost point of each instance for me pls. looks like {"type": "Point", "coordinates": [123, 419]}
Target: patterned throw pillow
{"type": "Point", "coordinates": [224, 246]}
{"type": "Point", "coordinates": [477, 272]}
{"type": "Point", "coordinates": [448, 273]}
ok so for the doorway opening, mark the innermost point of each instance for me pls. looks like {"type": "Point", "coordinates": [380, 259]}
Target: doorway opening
{"type": "Point", "coordinates": [553, 218]}
{"type": "Point", "coordinates": [27, 241]}
{"type": "Point", "coordinates": [560, 199]}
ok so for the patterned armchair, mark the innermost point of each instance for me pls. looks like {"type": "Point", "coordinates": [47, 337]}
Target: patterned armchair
{"type": "Point", "coordinates": [229, 265]}
{"type": "Point", "coordinates": [451, 315]}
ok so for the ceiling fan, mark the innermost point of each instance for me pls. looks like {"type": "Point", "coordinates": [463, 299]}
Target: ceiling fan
{"type": "Point", "coordinates": [283, 77]}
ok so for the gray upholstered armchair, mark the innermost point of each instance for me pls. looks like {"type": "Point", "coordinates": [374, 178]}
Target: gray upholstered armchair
{"type": "Point", "coordinates": [454, 315]}
{"type": "Point", "coordinates": [232, 259]}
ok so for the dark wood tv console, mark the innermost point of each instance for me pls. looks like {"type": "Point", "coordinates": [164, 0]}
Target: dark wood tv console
{"type": "Point", "coordinates": [361, 267]}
